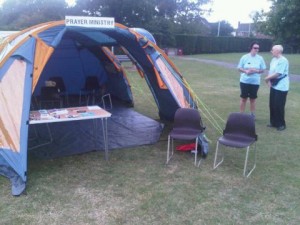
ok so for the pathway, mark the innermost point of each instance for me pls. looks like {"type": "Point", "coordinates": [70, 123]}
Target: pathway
{"type": "Point", "coordinates": [293, 77]}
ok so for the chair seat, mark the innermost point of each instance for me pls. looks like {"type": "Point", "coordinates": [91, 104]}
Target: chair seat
{"type": "Point", "coordinates": [236, 141]}
{"type": "Point", "coordinates": [184, 134]}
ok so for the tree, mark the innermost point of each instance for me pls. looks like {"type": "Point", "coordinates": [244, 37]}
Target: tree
{"type": "Point", "coordinates": [140, 13]}
{"type": "Point", "coordinates": [163, 18]}
{"type": "Point", "coordinates": [19, 14]}
{"type": "Point", "coordinates": [282, 22]}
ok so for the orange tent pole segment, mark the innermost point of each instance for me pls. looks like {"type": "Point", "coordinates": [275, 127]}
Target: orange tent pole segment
{"type": "Point", "coordinates": [111, 57]}
{"type": "Point", "coordinates": [13, 50]}
{"type": "Point", "coordinates": [35, 31]}
{"type": "Point", "coordinates": [141, 73]}
{"type": "Point", "coordinates": [167, 58]}
{"type": "Point", "coordinates": [11, 102]}
{"type": "Point", "coordinates": [138, 36]}
{"type": "Point", "coordinates": [175, 87]}
{"type": "Point", "coordinates": [160, 82]}
{"type": "Point", "coordinates": [42, 54]}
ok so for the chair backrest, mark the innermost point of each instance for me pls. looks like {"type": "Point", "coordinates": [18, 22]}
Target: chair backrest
{"type": "Point", "coordinates": [60, 84]}
{"type": "Point", "coordinates": [91, 83]}
{"type": "Point", "coordinates": [240, 124]}
{"type": "Point", "coordinates": [188, 118]}
{"type": "Point", "coordinates": [49, 93]}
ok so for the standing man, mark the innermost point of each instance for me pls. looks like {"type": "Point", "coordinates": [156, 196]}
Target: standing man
{"type": "Point", "coordinates": [279, 83]}
{"type": "Point", "coordinates": [251, 66]}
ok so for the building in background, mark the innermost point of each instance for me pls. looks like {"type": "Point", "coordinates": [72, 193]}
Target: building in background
{"type": "Point", "coordinates": [248, 30]}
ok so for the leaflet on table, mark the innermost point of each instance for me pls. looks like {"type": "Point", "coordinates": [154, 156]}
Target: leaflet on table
{"type": "Point", "coordinates": [43, 111]}
{"type": "Point", "coordinates": [61, 111]}
{"type": "Point", "coordinates": [93, 107]}
{"type": "Point", "coordinates": [46, 116]}
{"type": "Point", "coordinates": [58, 111]}
{"type": "Point", "coordinates": [87, 114]}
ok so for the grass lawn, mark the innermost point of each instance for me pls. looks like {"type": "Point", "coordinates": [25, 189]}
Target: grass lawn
{"type": "Point", "coordinates": [136, 187]}
{"type": "Point", "coordinates": [294, 59]}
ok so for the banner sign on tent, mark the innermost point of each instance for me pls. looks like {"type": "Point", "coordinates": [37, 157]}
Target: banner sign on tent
{"type": "Point", "coordinates": [86, 21]}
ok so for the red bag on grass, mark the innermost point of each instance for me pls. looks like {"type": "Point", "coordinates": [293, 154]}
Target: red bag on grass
{"type": "Point", "coordinates": [186, 147]}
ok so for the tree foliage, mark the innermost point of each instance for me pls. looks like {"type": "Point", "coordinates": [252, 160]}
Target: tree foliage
{"type": "Point", "coordinates": [173, 15]}
{"type": "Point", "coordinates": [19, 14]}
{"type": "Point", "coordinates": [282, 22]}
{"type": "Point", "coordinates": [162, 17]}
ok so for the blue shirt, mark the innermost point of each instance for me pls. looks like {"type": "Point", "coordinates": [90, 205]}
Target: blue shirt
{"type": "Point", "coordinates": [280, 65]}
{"type": "Point", "coordinates": [251, 62]}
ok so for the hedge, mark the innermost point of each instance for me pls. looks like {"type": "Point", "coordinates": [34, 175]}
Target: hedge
{"type": "Point", "coordinates": [195, 44]}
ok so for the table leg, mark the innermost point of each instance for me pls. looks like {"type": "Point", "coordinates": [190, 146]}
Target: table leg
{"type": "Point", "coordinates": [105, 136]}
{"type": "Point", "coordinates": [95, 127]}
{"type": "Point", "coordinates": [46, 143]}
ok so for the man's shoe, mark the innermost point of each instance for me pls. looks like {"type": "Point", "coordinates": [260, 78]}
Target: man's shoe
{"type": "Point", "coordinates": [281, 128]}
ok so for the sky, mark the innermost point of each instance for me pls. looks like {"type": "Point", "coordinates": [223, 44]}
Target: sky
{"type": "Point", "coordinates": [234, 11]}
{"type": "Point", "coordinates": [70, 2]}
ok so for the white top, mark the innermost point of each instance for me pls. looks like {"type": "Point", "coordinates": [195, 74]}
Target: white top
{"type": "Point", "coordinates": [281, 66]}
{"type": "Point", "coordinates": [248, 61]}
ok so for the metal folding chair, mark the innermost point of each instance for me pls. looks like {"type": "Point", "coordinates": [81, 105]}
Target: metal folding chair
{"type": "Point", "coordinates": [187, 126]}
{"type": "Point", "coordinates": [50, 98]}
{"type": "Point", "coordinates": [60, 85]}
{"type": "Point", "coordinates": [239, 133]}
{"type": "Point", "coordinates": [90, 90]}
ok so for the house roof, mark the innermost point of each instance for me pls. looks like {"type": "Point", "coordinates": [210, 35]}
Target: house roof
{"type": "Point", "coordinates": [245, 27]}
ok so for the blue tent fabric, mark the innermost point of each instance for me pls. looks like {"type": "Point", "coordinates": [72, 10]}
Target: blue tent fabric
{"type": "Point", "coordinates": [26, 50]}
{"type": "Point", "coordinates": [18, 185]}
{"type": "Point", "coordinates": [77, 53]}
{"type": "Point", "coordinates": [145, 33]}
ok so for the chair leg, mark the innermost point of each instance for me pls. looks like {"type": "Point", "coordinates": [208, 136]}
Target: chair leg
{"type": "Point", "coordinates": [80, 98]}
{"type": "Point", "coordinates": [87, 100]}
{"type": "Point", "coordinates": [196, 151]}
{"type": "Point", "coordinates": [46, 143]}
{"type": "Point", "coordinates": [109, 99]}
{"type": "Point", "coordinates": [93, 97]}
{"type": "Point", "coordinates": [66, 99]}
{"type": "Point", "coordinates": [246, 162]}
{"type": "Point", "coordinates": [199, 162]}
{"type": "Point", "coordinates": [84, 98]}
{"type": "Point", "coordinates": [170, 145]}
{"type": "Point", "coordinates": [216, 164]}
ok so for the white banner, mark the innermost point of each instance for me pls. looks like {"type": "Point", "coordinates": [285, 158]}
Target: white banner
{"type": "Point", "coordinates": [84, 21]}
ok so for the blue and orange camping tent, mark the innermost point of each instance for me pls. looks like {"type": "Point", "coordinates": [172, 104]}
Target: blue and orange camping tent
{"type": "Point", "coordinates": [29, 57]}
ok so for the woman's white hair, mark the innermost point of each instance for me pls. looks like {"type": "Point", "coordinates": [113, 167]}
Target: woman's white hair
{"type": "Point", "coordinates": [278, 48]}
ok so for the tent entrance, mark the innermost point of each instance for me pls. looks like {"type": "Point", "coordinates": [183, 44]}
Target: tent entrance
{"type": "Point", "coordinates": [126, 128]}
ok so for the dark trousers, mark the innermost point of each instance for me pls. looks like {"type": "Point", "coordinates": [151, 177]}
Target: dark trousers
{"type": "Point", "coordinates": [277, 104]}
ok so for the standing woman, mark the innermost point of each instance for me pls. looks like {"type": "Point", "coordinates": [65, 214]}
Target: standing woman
{"type": "Point", "coordinates": [278, 81]}
{"type": "Point", "coordinates": [251, 66]}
